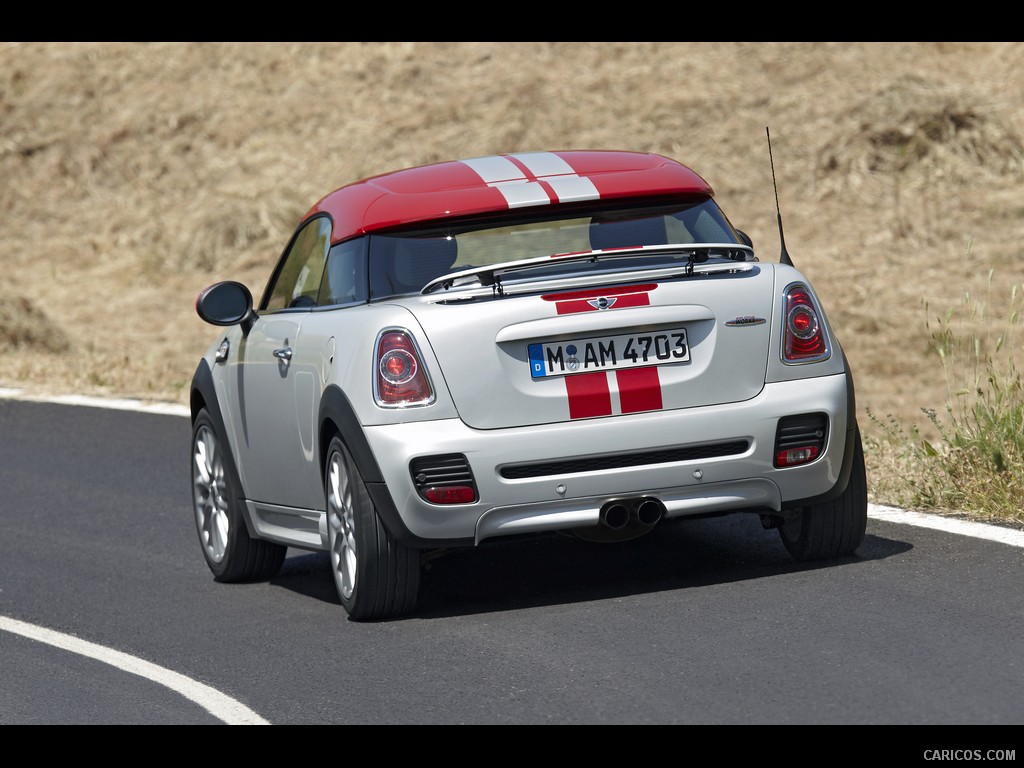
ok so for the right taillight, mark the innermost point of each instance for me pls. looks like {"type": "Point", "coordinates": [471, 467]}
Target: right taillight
{"type": "Point", "coordinates": [803, 335]}
{"type": "Point", "coordinates": [401, 380]}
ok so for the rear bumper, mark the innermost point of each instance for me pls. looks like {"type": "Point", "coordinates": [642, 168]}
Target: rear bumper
{"type": "Point", "coordinates": [741, 480]}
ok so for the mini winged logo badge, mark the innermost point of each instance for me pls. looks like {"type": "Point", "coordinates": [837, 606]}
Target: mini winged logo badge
{"type": "Point", "coordinates": [602, 303]}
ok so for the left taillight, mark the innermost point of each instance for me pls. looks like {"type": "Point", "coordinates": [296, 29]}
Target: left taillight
{"type": "Point", "coordinates": [400, 378]}
{"type": "Point", "coordinates": [803, 336]}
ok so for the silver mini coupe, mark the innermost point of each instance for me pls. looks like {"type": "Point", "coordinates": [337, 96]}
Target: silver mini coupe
{"type": "Point", "coordinates": [576, 342]}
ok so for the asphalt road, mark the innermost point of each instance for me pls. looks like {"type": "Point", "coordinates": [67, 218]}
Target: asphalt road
{"type": "Point", "coordinates": [706, 622]}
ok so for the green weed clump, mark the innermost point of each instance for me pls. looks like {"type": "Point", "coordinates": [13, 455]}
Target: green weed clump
{"type": "Point", "coordinates": [976, 466]}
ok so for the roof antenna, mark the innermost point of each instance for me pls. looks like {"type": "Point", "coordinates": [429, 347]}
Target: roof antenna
{"type": "Point", "coordinates": [784, 256]}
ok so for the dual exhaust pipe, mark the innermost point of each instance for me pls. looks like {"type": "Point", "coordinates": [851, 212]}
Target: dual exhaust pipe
{"type": "Point", "coordinates": [645, 512]}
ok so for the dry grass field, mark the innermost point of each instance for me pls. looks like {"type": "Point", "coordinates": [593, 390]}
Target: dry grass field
{"type": "Point", "coordinates": [134, 174]}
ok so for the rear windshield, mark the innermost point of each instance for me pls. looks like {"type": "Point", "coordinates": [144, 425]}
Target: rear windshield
{"type": "Point", "coordinates": [406, 262]}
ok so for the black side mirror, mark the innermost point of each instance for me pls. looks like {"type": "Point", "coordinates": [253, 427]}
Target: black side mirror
{"type": "Point", "coordinates": [226, 303]}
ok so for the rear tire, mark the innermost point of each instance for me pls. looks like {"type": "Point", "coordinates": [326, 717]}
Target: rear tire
{"type": "Point", "coordinates": [230, 552]}
{"type": "Point", "coordinates": [833, 528]}
{"type": "Point", "coordinates": [376, 576]}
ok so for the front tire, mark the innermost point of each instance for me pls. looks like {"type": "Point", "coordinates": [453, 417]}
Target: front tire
{"type": "Point", "coordinates": [230, 552]}
{"type": "Point", "coordinates": [376, 576]}
{"type": "Point", "coordinates": [833, 528]}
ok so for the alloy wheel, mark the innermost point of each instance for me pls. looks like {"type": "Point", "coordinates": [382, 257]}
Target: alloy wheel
{"type": "Point", "coordinates": [341, 525]}
{"type": "Point", "coordinates": [209, 492]}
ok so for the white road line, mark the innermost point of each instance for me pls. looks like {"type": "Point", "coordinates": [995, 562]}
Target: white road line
{"type": "Point", "coordinates": [96, 402]}
{"type": "Point", "coordinates": [222, 707]}
{"type": "Point", "coordinates": [957, 525]}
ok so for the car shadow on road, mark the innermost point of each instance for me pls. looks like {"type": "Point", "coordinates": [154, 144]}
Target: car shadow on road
{"type": "Point", "coordinates": [553, 569]}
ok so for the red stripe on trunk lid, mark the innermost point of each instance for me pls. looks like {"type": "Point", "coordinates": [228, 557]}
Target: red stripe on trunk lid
{"type": "Point", "coordinates": [639, 389]}
{"type": "Point", "coordinates": [589, 395]}
{"type": "Point", "coordinates": [615, 302]}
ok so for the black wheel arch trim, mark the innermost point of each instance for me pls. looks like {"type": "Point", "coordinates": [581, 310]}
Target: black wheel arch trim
{"type": "Point", "coordinates": [203, 394]}
{"type": "Point", "coordinates": [337, 416]}
{"type": "Point", "coordinates": [851, 441]}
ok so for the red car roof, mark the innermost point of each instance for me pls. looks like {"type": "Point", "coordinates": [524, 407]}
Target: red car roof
{"type": "Point", "coordinates": [499, 183]}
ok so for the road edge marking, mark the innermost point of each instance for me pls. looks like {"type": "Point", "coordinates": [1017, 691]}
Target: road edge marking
{"type": "Point", "coordinates": [221, 706]}
{"type": "Point", "coordinates": [117, 404]}
{"type": "Point", "coordinates": [998, 533]}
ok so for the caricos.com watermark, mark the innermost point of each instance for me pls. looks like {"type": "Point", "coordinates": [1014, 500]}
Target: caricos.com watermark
{"type": "Point", "coordinates": [970, 754]}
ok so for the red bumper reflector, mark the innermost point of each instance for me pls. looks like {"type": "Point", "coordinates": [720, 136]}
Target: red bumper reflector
{"type": "Point", "coordinates": [454, 494]}
{"type": "Point", "coordinates": [794, 456]}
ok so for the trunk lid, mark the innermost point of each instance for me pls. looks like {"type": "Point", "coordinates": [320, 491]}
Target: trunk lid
{"type": "Point", "coordinates": [594, 352]}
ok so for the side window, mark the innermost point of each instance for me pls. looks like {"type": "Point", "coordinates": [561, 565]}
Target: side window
{"type": "Point", "coordinates": [345, 279]}
{"type": "Point", "coordinates": [297, 282]}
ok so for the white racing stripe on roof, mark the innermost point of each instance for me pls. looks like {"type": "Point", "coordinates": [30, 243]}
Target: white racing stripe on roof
{"type": "Point", "coordinates": [519, 190]}
{"type": "Point", "coordinates": [544, 164]}
{"type": "Point", "coordinates": [495, 169]}
{"type": "Point", "coordinates": [567, 185]}
{"type": "Point", "coordinates": [519, 194]}
{"type": "Point", "coordinates": [572, 188]}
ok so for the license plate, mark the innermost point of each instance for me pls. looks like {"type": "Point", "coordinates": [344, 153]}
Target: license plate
{"type": "Point", "coordinates": [608, 353]}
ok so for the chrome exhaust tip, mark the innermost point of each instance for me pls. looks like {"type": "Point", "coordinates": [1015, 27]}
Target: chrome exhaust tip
{"type": "Point", "coordinates": [648, 511]}
{"type": "Point", "coordinates": [615, 516]}
{"type": "Point", "coordinates": [624, 519]}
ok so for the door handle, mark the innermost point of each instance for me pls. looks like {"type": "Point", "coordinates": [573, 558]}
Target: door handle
{"type": "Point", "coordinates": [284, 354]}
{"type": "Point", "coordinates": [222, 351]}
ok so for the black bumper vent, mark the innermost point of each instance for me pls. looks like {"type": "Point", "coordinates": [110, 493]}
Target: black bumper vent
{"type": "Point", "coordinates": [621, 460]}
{"type": "Point", "coordinates": [808, 429]}
{"type": "Point", "coordinates": [450, 469]}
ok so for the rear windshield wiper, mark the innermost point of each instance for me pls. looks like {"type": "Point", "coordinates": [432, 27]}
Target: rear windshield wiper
{"type": "Point", "coordinates": [491, 275]}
